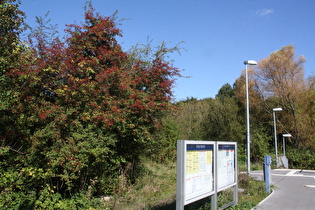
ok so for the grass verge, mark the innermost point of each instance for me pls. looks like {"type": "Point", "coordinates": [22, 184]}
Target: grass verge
{"type": "Point", "coordinates": [156, 189]}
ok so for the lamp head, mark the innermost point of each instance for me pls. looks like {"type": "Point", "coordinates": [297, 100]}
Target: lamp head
{"type": "Point", "coordinates": [250, 62]}
{"type": "Point", "coordinates": [277, 109]}
{"type": "Point", "coordinates": [287, 135]}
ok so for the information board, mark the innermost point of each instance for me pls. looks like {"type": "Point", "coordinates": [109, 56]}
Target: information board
{"type": "Point", "coordinates": [199, 170]}
{"type": "Point", "coordinates": [205, 168]}
{"type": "Point", "coordinates": [195, 170]}
{"type": "Point", "coordinates": [226, 160]}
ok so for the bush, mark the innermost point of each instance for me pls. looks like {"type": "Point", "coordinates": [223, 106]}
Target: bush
{"type": "Point", "coordinates": [301, 158]}
{"type": "Point", "coordinates": [79, 113]}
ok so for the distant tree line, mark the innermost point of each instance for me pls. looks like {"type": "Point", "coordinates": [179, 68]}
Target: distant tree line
{"type": "Point", "coordinates": [277, 81]}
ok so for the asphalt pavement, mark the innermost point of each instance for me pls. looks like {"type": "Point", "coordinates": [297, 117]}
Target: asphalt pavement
{"type": "Point", "coordinates": [294, 189]}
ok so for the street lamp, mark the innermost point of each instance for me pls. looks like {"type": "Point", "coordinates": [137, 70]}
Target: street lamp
{"type": "Point", "coordinates": [285, 135]}
{"type": "Point", "coordinates": [246, 63]}
{"type": "Point", "coordinates": [275, 129]}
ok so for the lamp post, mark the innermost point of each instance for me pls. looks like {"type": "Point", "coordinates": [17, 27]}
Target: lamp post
{"type": "Point", "coordinates": [285, 135]}
{"type": "Point", "coordinates": [246, 63]}
{"type": "Point", "coordinates": [275, 129]}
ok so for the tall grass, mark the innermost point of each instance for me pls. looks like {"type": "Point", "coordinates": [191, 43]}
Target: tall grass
{"type": "Point", "coordinates": [155, 188]}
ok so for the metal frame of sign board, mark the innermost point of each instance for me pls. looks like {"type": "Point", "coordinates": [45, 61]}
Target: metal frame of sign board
{"type": "Point", "coordinates": [193, 179]}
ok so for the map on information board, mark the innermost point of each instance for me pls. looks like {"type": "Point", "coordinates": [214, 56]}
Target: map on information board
{"type": "Point", "coordinates": [199, 170]}
{"type": "Point", "coordinates": [226, 165]}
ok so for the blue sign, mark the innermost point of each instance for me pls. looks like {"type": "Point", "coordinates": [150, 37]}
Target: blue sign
{"type": "Point", "coordinates": [199, 147]}
{"type": "Point", "coordinates": [226, 147]}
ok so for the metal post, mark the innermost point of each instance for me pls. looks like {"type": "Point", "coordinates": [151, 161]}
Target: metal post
{"type": "Point", "coordinates": [214, 197]}
{"type": "Point", "coordinates": [247, 122]}
{"type": "Point", "coordinates": [267, 174]}
{"type": "Point", "coordinates": [180, 175]}
{"type": "Point", "coordinates": [283, 145]}
{"type": "Point", "coordinates": [283, 136]}
{"type": "Point", "coordinates": [275, 129]}
{"type": "Point", "coordinates": [248, 62]}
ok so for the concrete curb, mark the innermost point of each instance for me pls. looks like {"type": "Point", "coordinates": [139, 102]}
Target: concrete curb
{"type": "Point", "coordinates": [261, 202]}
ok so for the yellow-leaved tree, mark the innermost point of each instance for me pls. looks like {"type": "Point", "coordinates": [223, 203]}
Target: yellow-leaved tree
{"type": "Point", "coordinates": [280, 80]}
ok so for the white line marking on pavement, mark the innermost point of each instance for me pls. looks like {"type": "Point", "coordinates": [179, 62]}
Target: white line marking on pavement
{"type": "Point", "coordinates": [291, 173]}
{"type": "Point", "coordinates": [309, 186]}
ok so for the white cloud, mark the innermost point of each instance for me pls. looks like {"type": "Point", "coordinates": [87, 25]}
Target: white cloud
{"type": "Point", "coordinates": [264, 12]}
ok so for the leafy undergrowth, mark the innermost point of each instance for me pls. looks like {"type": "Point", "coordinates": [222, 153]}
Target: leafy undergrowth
{"type": "Point", "coordinates": [252, 192]}
{"type": "Point", "coordinates": [155, 189]}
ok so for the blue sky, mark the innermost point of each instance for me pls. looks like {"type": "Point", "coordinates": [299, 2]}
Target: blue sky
{"type": "Point", "coordinates": [218, 35]}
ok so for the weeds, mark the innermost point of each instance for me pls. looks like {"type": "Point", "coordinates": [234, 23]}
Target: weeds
{"type": "Point", "coordinates": [253, 192]}
{"type": "Point", "coordinates": [155, 188]}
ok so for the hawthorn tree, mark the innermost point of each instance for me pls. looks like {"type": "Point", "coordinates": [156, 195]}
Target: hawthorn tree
{"type": "Point", "coordinates": [86, 109]}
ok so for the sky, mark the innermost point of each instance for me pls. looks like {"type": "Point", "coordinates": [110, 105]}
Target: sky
{"type": "Point", "coordinates": [217, 35]}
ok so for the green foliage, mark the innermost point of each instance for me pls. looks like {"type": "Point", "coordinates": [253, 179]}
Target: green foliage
{"type": "Point", "coordinates": [50, 200]}
{"type": "Point", "coordinates": [154, 189]}
{"type": "Point", "coordinates": [190, 118]}
{"type": "Point", "coordinates": [164, 145]}
{"type": "Point", "coordinates": [226, 91]}
{"type": "Point", "coordinates": [10, 28]}
{"type": "Point", "coordinates": [222, 121]}
{"type": "Point", "coordinates": [301, 158]}
{"type": "Point", "coordinates": [259, 146]}
{"type": "Point", "coordinates": [254, 192]}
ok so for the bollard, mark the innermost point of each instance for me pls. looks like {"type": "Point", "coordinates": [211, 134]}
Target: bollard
{"type": "Point", "coordinates": [267, 172]}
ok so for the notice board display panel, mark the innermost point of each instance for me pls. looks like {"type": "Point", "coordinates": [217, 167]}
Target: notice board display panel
{"type": "Point", "coordinates": [226, 164]}
{"type": "Point", "coordinates": [199, 170]}
{"type": "Point", "coordinates": [195, 170]}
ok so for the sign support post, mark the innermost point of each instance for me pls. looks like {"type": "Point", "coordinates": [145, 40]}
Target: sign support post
{"type": "Point", "coordinates": [267, 174]}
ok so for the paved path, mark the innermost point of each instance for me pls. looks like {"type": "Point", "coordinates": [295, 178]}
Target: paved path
{"type": "Point", "coordinates": [294, 189]}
